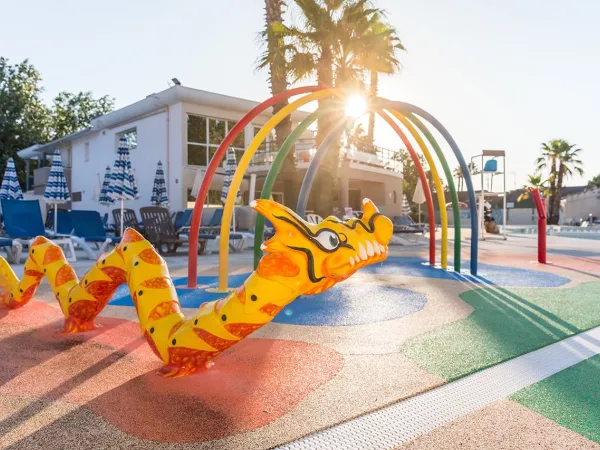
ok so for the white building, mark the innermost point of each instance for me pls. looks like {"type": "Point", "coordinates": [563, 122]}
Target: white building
{"type": "Point", "coordinates": [182, 127]}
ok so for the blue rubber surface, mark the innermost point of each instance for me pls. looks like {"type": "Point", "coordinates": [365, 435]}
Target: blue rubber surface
{"type": "Point", "coordinates": [352, 304]}
{"type": "Point", "coordinates": [488, 274]}
{"type": "Point", "coordinates": [356, 304]}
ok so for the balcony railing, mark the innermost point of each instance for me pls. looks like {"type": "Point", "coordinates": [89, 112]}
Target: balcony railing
{"type": "Point", "coordinates": [305, 150]}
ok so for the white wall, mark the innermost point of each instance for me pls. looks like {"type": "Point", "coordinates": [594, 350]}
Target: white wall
{"type": "Point", "coordinates": [580, 206]}
{"type": "Point", "coordinates": [151, 147]}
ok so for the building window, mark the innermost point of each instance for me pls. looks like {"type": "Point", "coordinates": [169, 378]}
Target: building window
{"type": "Point", "coordinates": [131, 137]}
{"type": "Point", "coordinates": [86, 152]}
{"type": "Point", "coordinates": [204, 135]}
{"type": "Point", "coordinates": [214, 198]}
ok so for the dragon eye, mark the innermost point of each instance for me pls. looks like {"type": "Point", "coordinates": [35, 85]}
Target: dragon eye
{"type": "Point", "coordinates": [328, 239]}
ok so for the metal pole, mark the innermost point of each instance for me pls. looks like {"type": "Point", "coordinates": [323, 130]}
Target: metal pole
{"type": "Point", "coordinates": [122, 212]}
{"type": "Point", "coordinates": [504, 211]}
{"type": "Point", "coordinates": [55, 218]}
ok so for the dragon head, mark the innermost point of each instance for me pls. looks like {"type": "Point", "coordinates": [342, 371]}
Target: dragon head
{"type": "Point", "coordinates": [312, 258]}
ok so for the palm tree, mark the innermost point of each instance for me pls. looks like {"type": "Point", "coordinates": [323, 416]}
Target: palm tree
{"type": "Point", "coordinates": [382, 60]}
{"type": "Point", "coordinates": [550, 152]}
{"type": "Point", "coordinates": [561, 159]}
{"type": "Point", "coordinates": [274, 59]}
{"type": "Point", "coordinates": [534, 181]}
{"type": "Point", "coordinates": [334, 41]}
{"type": "Point", "coordinates": [569, 163]}
{"type": "Point", "coordinates": [459, 177]}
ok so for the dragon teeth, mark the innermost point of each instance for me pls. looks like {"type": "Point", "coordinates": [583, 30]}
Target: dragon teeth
{"type": "Point", "coordinates": [376, 247]}
{"type": "Point", "coordinates": [362, 252]}
{"type": "Point", "coordinates": [370, 250]}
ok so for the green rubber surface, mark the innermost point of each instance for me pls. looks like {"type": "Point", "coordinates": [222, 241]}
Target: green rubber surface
{"type": "Point", "coordinates": [505, 324]}
{"type": "Point", "coordinates": [570, 398]}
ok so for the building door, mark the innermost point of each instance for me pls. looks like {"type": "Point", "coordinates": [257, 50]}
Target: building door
{"type": "Point", "coordinates": [354, 199]}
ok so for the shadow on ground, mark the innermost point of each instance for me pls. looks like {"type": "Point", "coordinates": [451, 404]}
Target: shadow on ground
{"type": "Point", "coordinates": [505, 324]}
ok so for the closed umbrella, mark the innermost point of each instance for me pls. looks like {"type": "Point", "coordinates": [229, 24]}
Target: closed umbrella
{"type": "Point", "coordinates": [122, 179]}
{"type": "Point", "coordinates": [197, 182]}
{"type": "Point", "coordinates": [56, 189]}
{"type": "Point", "coordinates": [230, 168]}
{"type": "Point", "coordinates": [10, 189]}
{"type": "Point", "coordinates": [159, 189]}
{"type": "Point", "coordinates": [419, 196]}
{"type": "Point", "coordinates": [104, 199]}
{"type": "Point", "coordinates": [405, 206]}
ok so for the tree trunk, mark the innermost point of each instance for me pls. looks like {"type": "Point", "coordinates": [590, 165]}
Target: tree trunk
{"type": "Point", "coordinates": [278, 80]}
{"type": "Point", "coordinates": [324, 186]}
{"type": "Point", "coordinates": [373, 87]}
{"type": "Point", "coordinates": [552, 190]}
{"type": "Point", "coordinates": [556, 199]}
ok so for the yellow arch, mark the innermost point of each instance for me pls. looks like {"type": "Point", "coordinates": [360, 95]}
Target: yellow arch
{"type": "Point", "coordinates": [436, 180]}
{"type": "Point", "coordinates": [241, 170]}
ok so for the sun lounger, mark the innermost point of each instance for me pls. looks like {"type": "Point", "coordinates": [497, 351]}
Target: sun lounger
{"type": "Point", "coordinates": [130, 220]}
{"type": "Point", "coordinates": [160, 230]}
{"type": "Point", "coordinates": [210, 232]}
{"type": "Point", "coordinates": [23, 222]}
{"type": "Point", "coordinates": [88, 228]}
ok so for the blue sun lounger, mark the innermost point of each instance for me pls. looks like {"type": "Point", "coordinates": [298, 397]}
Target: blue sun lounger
{"type": "Point", "coordinates": [88, 226]}
{"type": "Point", "coordinates": [23, 222]}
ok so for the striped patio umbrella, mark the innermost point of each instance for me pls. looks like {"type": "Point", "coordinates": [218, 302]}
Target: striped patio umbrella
{"type": "Point", "coordinates": [405, 206]}
{"type": "Point", "coordinates": [10, 189]}
{"type": "Point", "coordinates": [104, 199]}
{"type": "Point", "coordinates": [159, 189]}
{"type": "Point", "coordinates": [123, 185]}
{"type": "Point", "coordinates": [230, 168]}
{"type": "Point", "coordinates": [56, 188]}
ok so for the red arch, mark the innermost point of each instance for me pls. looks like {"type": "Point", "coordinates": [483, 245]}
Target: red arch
{"type": "Point", "coordinates": [212, 168]}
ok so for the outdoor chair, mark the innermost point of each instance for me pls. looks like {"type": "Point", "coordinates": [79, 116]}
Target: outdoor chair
{"type": "Point", "coordinates": [64, 226]}
{"type": "Point", "coordinates": [404, 224]}
{"type": "Point", "coordinates": [23, 222]}
{"type": "Point", "coordinates": [130, 220]}
{"type": "Point", "coordinates": [108, 228]}
{"type": "Point", "coordinates": [160, 230]}
{"type": "Point", "coordinates": [182, 219]}
{"type": "Point", "coordinates": [88, 228]}
{"type": "Point", "coordinates": [211, 232]}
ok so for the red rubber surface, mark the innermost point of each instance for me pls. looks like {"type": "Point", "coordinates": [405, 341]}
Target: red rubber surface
{"type": "Point", "coordinates": [111, 371]}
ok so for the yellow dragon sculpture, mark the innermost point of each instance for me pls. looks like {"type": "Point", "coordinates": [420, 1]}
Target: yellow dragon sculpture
{"type": "Point", "coordinates": [301, 258]}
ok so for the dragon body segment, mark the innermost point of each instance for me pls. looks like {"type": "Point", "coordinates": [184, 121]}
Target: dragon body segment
{"type": "Point", "coordinates": [301, 258]}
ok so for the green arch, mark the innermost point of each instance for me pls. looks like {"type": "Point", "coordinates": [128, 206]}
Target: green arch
{"type": "Point", "coordinates": [285, 149]}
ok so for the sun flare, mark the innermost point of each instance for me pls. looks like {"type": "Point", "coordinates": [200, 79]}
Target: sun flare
{"type": "Point", "coordinates": [356, 106]}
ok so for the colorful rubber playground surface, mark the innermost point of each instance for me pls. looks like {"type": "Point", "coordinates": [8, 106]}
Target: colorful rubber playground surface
{"type": "Point", "coordinates": [517, 346]}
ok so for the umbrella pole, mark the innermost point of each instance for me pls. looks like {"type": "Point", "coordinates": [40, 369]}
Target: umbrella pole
{"type": "Point", "coordinates": [419, 213]}
{"type": "Point", "coordinates": [233, 218]}
{"type": "Point", "coordinates": [122, 212]}
{"type": "Point", "coordinates": [55, 218]}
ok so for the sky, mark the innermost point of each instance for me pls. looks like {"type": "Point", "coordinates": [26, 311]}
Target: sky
{"type": "Point", "coordinates": [505, 74]}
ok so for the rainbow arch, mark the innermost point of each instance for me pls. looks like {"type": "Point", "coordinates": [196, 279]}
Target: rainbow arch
{"type": "Point", "coordinates": [405, 119]}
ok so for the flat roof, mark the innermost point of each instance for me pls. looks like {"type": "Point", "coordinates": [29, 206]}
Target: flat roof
{"type": "Point", "coordinates": [150, 104]}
